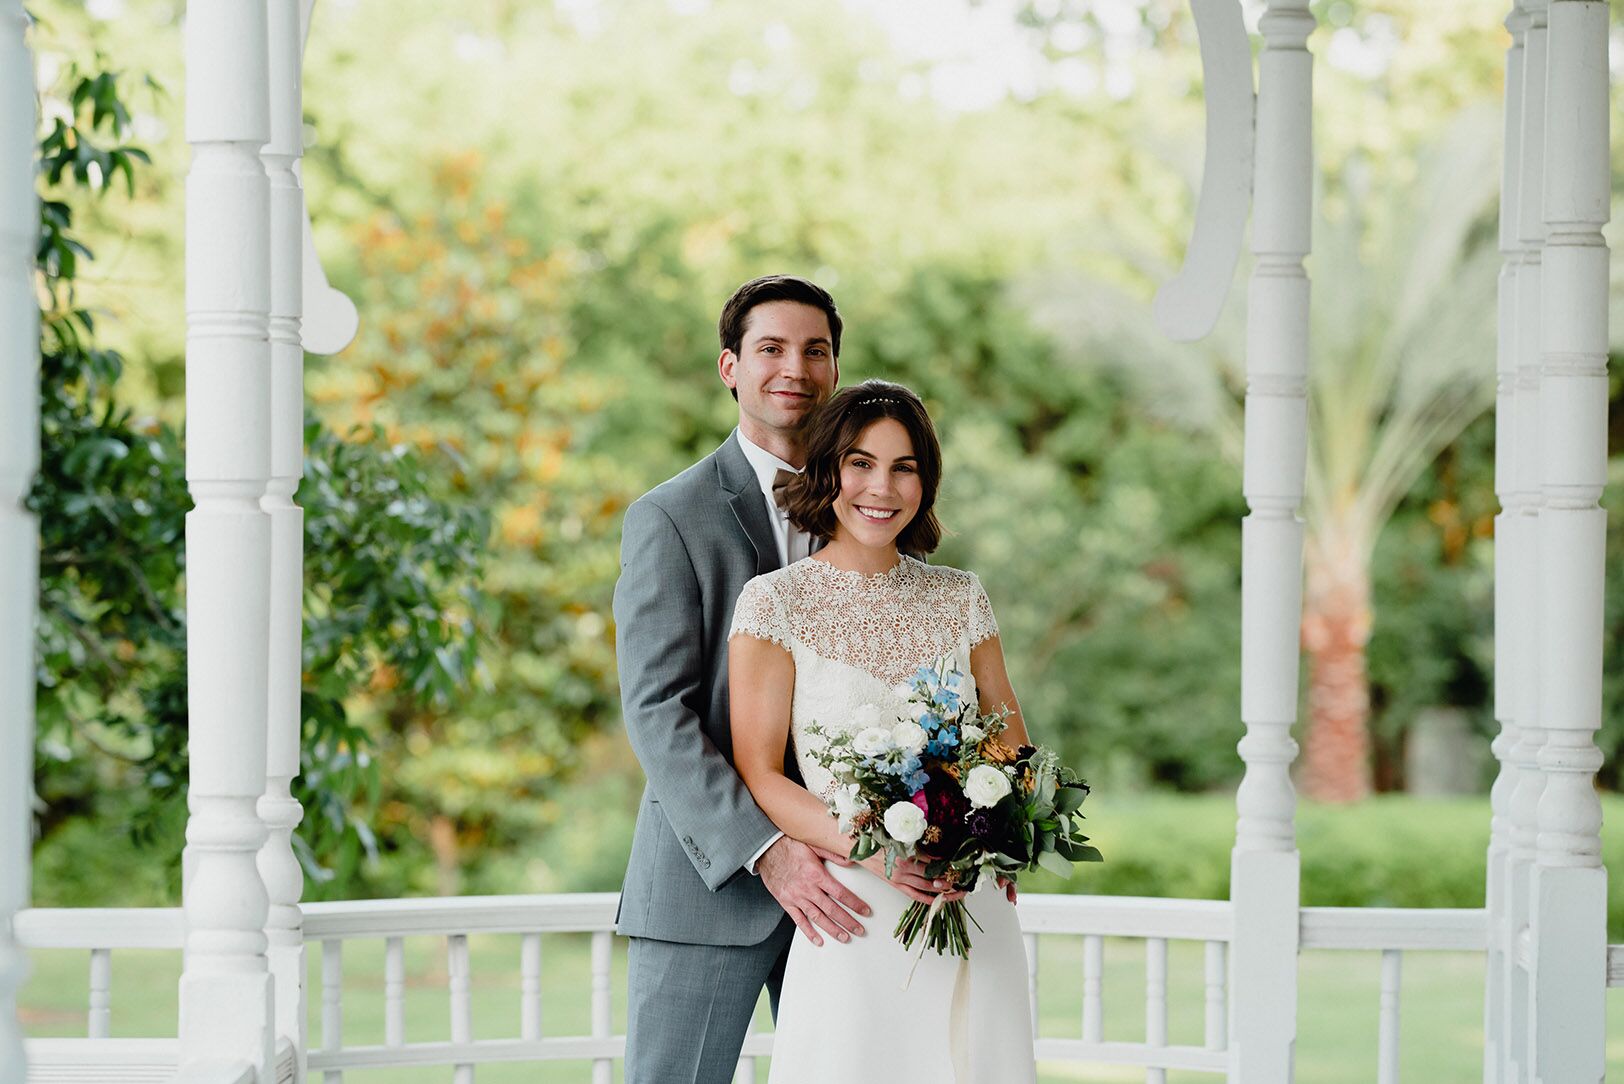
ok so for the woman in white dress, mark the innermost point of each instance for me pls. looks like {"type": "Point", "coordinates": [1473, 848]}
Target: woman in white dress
{"type": "Point", "coordinates": [812, 643]}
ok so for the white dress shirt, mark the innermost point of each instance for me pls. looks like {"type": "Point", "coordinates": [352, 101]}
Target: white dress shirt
{"type": "Point", "coordinates": [793, 543]}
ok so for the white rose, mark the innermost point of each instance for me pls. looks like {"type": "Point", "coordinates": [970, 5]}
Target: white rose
{"type": "Point", "coordinates": [986, 786]}
{"type": "Point", "coordinates": [872, 741]}
{"type": "Point", "coordinates": [910, 738]}
{"type": "Point", "coordinates": [905, 822]}
{"type": "Point", "coordinates": [971, 734]}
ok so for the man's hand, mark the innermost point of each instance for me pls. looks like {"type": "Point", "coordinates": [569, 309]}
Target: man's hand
{"type": "Point", "coordinates": [795, 875]}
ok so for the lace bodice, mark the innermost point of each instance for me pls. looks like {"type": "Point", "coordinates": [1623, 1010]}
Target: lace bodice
{"type": "Point", "coordinates": [858, 639]}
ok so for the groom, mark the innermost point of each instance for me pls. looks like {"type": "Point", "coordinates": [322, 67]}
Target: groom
{"type": "Point", "coordinates": [714, 892]}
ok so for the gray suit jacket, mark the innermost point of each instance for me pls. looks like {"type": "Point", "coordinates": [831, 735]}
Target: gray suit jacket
{"type": "Point", "coordinates": [687, 549]}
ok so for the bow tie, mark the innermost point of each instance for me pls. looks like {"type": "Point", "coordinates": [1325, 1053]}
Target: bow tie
{"type": "Point", "coordinates": [780, 480]}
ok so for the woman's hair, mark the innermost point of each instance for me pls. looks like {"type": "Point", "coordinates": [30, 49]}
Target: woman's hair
{"type": "Point", "coordinates": [833, 432]}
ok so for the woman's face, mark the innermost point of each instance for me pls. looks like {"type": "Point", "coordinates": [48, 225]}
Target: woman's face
{"type": "Point", "coordinates": [880, 488]}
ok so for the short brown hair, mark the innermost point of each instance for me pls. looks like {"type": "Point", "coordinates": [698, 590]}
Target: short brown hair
{"type": "Point", "coordinates": [730, 328]}
{"type": "Point", "coordinates": [833, 431]}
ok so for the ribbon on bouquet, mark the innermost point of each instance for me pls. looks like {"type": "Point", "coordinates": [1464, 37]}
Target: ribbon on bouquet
{"type": "Point", "coordinates": [958, 1011]}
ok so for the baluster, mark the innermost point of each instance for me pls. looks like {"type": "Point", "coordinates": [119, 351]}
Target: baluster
{"type": "Point", "coordinates": [1217, 1026]}
{"type": "Point", "coordinates": [1265, 869]}
{"type": "Point", "coordinates": [602, 958]}
{"type": "Point", "coordinates": [530, 987]}
{"type": "Point", "coordinates": [394, 991]}
{"type": "Point", "coordinates": [101, 985]}
{"type": "Point", "coordinates": [461, 1014]}
{"type": "Point", "coordinates": [1387, 1043]}
{"type": "Point", "coordinates": [19, 532]}
{"type": "Point", "coordinates": [226, 1000]}
{"type": "Point", "coordinates": [332, 1004]}
{"type": "Point", "coordinates": [278, 865]}
{"type": "Point", "coordinates": [1506, 565]}
{"type": "Point", "coordinates": [1031, 942]}
{"type": "Point", "coordinates": [1156, 1003]}
{"type": "Point", "coordinates": [1093, 1004]}
{"type": "Point", "coordinates": [1568, 883]}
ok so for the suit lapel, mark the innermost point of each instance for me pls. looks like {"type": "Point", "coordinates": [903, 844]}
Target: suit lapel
{"type": "Point", "coordinates": [749, 506]}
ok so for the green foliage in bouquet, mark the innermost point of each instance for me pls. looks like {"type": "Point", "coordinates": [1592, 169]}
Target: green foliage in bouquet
{"type": "Point", "coordinates": [939, 784]}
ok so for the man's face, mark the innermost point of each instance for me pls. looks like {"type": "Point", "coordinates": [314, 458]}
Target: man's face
{"type": "Point", "coordinates": [785, 367]}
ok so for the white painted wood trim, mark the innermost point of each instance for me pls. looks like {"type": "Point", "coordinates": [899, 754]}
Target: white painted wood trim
{"type": "Point", "coordinates": [1126, 916]}
{"type": "Point", "coordinates": [101, 927]}
{"type": "Point", "coordinates": [1167, 1057]}
{"type": "Point", "coordinates": [1387, 1042]}
{"type": "Point", "coordinates": [1378, 928]}
{"type": "Point", "coordinates": [19, 533]}
{"type": "Point", "coordinates": [603, 945]}
{"type": "Point", "coordinates": [1188, 305]}
{"type": "Point", "coordinates": [137, 1061]}
{"type": "Point", "coordinates": [583, 912]}
{"type": "Point", "coordinates": [1265, 871]}
{"type": "Point", "coordinates": [226, 1000]}
{"type": "Point", "coordinates": [1615, 965]}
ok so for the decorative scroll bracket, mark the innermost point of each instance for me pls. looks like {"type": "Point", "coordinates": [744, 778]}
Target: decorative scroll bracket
{"type": "Point", "coordinates": [330, 318]}
{"type": "Point", "coordinates": [1187, 306]}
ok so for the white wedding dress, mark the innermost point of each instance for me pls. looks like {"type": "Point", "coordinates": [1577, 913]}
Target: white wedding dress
{"type": "Point", "coordinates": [848, 1013]}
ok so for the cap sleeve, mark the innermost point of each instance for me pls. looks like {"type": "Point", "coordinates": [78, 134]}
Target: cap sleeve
{"type": "Point", "coordinates": [760, 612]}
{"type": "Point", "coordinates": [983, 625]}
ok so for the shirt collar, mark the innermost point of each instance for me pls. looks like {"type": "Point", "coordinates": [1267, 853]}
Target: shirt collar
{"type": "Point", "coordinates": [764, 463]}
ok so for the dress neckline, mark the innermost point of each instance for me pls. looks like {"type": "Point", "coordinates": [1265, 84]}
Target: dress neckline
{"type": "Point", "coordinates": [893, 575]}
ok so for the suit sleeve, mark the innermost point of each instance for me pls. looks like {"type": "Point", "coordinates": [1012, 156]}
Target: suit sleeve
{"type": "Point", "coordinates": [662, 693]}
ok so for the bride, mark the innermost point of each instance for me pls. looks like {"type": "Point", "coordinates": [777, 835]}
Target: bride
{"type": "Point", "coordinates": [812, 643]}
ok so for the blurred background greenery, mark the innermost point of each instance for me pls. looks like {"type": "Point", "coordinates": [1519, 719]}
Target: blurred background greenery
{"type": "Point", "coordinates": [539, 208]}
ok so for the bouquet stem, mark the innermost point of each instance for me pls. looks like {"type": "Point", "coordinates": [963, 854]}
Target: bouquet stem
{"type": "Point", "coordinates": [943, 927]}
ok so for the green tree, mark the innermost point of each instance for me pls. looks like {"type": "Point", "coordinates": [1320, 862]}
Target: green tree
{"type": "Point", "coordinates": [390, 569]}
{"type": "Point", "coordinates": [1401, 362]}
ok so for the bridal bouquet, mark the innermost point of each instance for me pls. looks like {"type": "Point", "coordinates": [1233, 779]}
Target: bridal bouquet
{"type": "Point", "coordinates": [938, 784]}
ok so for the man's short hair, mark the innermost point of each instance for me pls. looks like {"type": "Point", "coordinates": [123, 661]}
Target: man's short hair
{"type": "Point", "coordinates": [760, 291]}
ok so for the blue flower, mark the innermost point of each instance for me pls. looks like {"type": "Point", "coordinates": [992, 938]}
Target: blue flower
{"type": "Point", "coordinates": [930, 721]}
{"type": "Point", "coordinates": [947, 701]}
{"type": "Point", "coordinates": [915, 781]}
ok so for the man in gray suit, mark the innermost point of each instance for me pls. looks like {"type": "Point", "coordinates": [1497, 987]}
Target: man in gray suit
{"type": "Point", "coordinates": [714, 892]}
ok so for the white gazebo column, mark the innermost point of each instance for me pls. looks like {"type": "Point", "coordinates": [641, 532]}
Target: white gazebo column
{"type": "Point", "coordinates": [1264, 879]}
{"type": "Point", "coordinates": [284, 881]}
{"type": "Point", "coordinates": [225, 990]}
{"type": "Point", "coordinates": [1568, 883]}
{"type": "Point", "coordinates": [19, 537]}
{"type": "Point", "coordinates": [1506, 566]}
{"type": "Point", "coordinates": [1521, 647]}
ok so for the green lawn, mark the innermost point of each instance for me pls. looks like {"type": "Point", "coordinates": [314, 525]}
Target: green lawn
{"type": "Point", "coordinates": [1442, 1006]}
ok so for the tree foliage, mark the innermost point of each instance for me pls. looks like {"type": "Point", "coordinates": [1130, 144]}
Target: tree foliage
{"type": "Point", "coordinates": [391, 563]}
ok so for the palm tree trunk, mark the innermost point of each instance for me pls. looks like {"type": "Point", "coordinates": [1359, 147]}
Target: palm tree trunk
{"type": "Point", "coordinates": [1336, 627]}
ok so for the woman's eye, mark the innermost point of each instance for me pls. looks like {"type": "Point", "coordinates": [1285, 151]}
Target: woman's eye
{"type": "Point", "coordinates": [862, 463]}
{"type": "Point", "coordinates": [905, 468]}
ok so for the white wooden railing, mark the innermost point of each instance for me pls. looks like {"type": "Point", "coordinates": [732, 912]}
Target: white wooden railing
{"type": "Point", "coordinates": [1093, 919]}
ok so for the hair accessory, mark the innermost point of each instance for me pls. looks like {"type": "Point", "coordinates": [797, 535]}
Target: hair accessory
{"type": "Point", "coordinates": [873, 399]}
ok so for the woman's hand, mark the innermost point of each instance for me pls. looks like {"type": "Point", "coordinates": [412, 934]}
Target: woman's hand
{"type": "Point", "coordinates": [1008, 886]}
{"type": "Point", "coordinates": [908, 877]}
